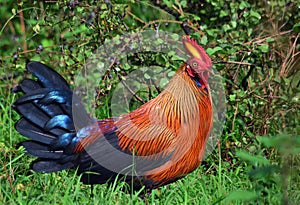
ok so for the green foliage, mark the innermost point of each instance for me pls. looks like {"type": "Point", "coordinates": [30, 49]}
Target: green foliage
{"type": "Point", "coordinates": [278, 169]}
{"type": "Point", "coordinates": [253, 44]}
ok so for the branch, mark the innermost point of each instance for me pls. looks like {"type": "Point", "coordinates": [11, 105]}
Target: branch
{"type": "Point", "coordinates": [235, 62]}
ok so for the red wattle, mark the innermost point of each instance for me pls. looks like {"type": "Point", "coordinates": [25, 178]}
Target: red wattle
{"type": "Point", "coordinates": [190, 72]}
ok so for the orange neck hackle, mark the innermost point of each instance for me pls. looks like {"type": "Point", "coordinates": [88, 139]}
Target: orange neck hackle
{"type": "Point", "coordinates": [177, 122]}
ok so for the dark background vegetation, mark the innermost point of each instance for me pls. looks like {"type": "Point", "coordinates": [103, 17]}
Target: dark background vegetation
{"type": "Point", "coordinates": [253, 44]}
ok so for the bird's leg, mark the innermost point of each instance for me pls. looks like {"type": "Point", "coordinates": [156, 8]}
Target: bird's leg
{"type": "Point", "coordinates": [92, 188]}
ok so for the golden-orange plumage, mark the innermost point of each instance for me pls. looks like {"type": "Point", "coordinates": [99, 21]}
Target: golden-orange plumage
{"type": "Point", "coordinates": [181, 117]}
{"type": "Point", "coordinates": [178, 120]}
{"type": "Point", "coordinates": [174, 126]}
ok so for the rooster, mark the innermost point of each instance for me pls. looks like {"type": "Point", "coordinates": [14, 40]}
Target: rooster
{"type": "Point", "coordinates": [154, 145]}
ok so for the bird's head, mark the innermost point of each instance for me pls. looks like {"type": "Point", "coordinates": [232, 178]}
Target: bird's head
{"type": "Point", "coordinates": [199, 64]}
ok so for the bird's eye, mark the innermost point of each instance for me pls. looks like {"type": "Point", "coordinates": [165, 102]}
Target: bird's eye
{"type": "Point", "coordinates": [195, 64]}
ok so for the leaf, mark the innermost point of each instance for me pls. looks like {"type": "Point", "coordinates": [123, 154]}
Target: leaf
{"type": "Point", "coordinates": [249, 31]}
{"type": "Point", "coordinates": [195, 17]}
{"type": "Point", "coordinates": [126, 66]}
{"type": "Point", "coordinates": [169, 3]}
{"type": "Point", "coordinates": [211, 51]}
{"type": "Point", "coordinates": [264, 48]}
{"type": "Point", "coordinates": [175, 37]}
{"type": "Point", "coordinates": [255, 14]}
{"type": "Point", "coordinates": [183, 4]}
{"type": "Point", "coordinates": [270, 40]}
{"type": "Point", "coordinates": [36, 28]}
{"type": "Point", "coordinates": [204, 40]}
{"type": "Point", "coordinates": [176, 58]}
{"type": "Point", "coordinates": [263, 172]}
{"type": "Point", "coordinates": [243, 5]}
{"type": "Point", "coordinates": [161, 59]}
{"type": "Point", "coordinates": [232, 97]}
{"type": "Point", "coordinates": [296, 27]}
{"type": "Point", "coordinates": [224, 13]}
{"type": "Point", "coordinates": [47, 42]}
{"type": "Point", "coordinates": [254, 159]}
{"type": "Point", "coordinates": [233, 24]}
{"type": "Point", "coordinates": [171, 74]}
{"type": "Point", "coordinates": [171, 53]}
{"type": "Point", "coordinates": [159, 41]}
{"type": "Point", "coordinates": [241, 195]}
{"type": "Point", "coordinates": [285, 143]}
{"type": "Point", "coordinates": [147, 76]}
{"type": "Point", "coordinates": [103, 6]}
{"type": "Point", "coordinates": [163, 82]}
{"type": "Point", "coordinates": [212, 32]}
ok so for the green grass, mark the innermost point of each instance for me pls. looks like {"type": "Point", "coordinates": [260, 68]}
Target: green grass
{"type": "Point", "coordinates": [214, 182]}
{"type": "Point", "coordinates": [207, 185]}
{"type": "Point", "coordinates": [217, 181]}
{"type": "Point", "coordinates": [200, 187]}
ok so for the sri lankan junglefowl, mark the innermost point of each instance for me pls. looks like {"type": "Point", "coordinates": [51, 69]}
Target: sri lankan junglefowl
{"type": "Point", "coordinates": [156, 144]}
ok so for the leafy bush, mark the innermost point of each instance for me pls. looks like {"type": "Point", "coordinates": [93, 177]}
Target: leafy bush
{"type": "Point", "coordinates": [253, 44]}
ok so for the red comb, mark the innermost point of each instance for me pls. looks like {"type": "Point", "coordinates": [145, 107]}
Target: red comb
{"type": "Point", "coordinates": [195, 50]}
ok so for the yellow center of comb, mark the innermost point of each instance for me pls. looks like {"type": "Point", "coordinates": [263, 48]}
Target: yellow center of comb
{"type": "Point", "coordinates": [193, 50]}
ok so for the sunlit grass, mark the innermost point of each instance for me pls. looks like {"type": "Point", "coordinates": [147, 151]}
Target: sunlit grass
{"type": "Point", "coordinates": [211, 183]}
{"type": "Point", "coordinates": [215, 182]}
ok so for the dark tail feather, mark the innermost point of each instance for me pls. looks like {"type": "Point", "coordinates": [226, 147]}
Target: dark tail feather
{"type": "Point", "coordinates": [47, 118]}
{"type": "Point", "coordinates": [27, 86]}
{"type": "Point", "coordinates": [34, 132]}
{"type": "Point", "coordinates": [48, 166]}
{"type": "Point", "coordinates": [41, 150]}
{"type": "Point", "coordinates": [47, 77]}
